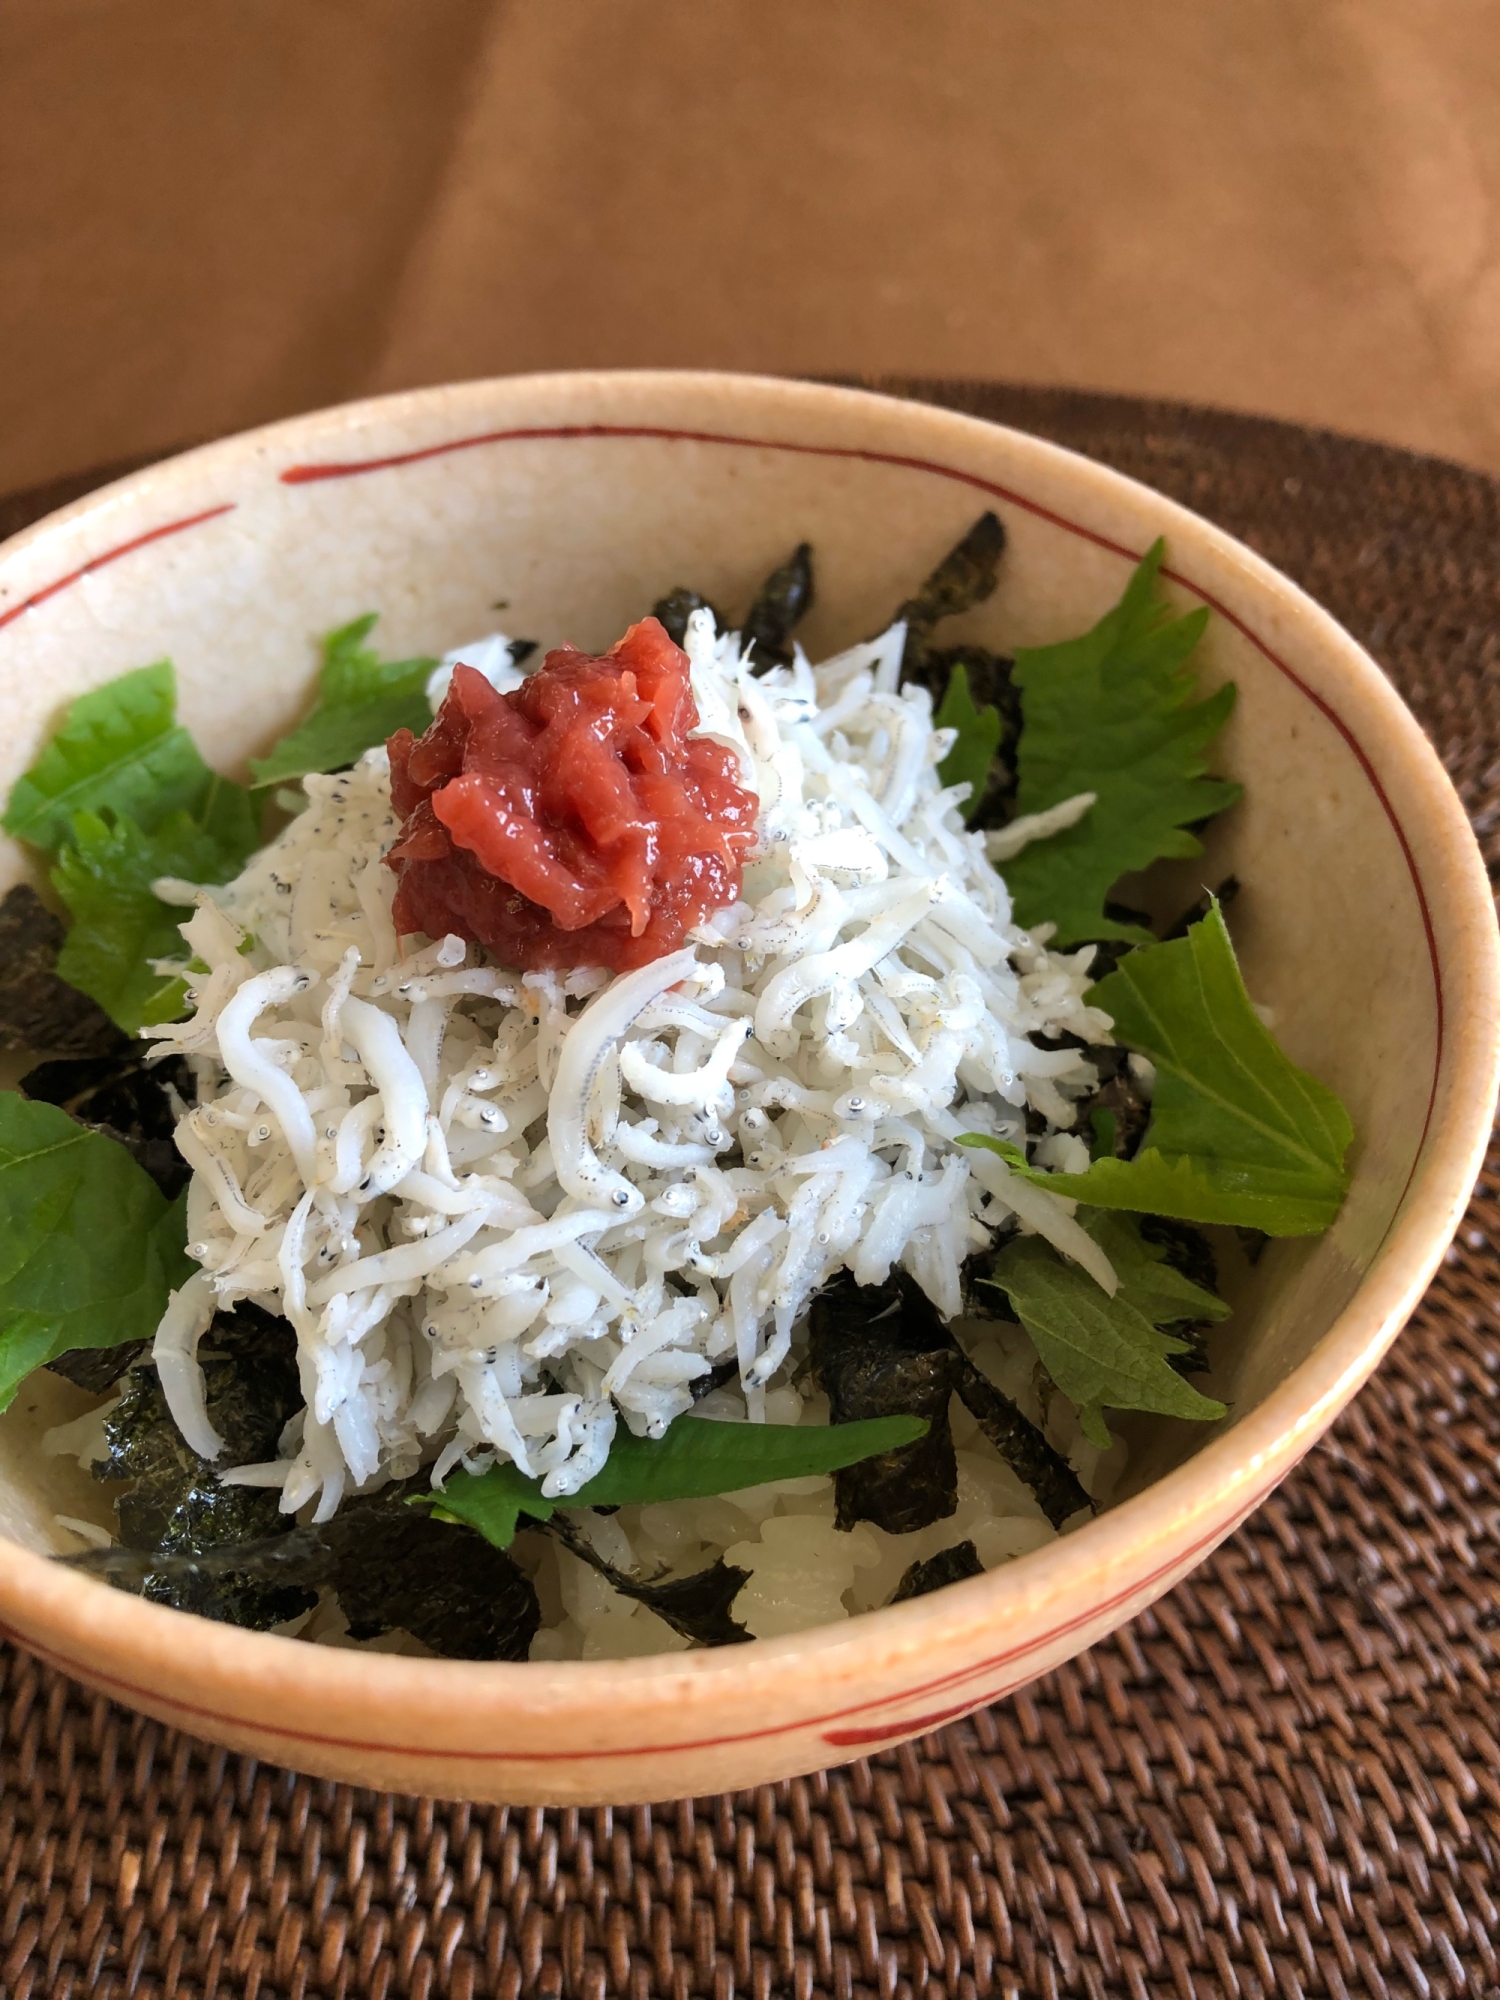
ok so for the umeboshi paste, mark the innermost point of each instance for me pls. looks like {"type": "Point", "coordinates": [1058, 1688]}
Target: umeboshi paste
{"type": "Point", "coordinates": [574, 821]}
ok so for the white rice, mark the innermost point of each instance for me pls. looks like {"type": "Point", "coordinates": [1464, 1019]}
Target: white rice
{"type": "Point", "coordinates": [505, 1213]}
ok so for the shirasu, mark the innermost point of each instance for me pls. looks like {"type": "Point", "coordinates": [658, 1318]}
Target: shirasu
{"type": "Point", "coordinates": [505, 1213]}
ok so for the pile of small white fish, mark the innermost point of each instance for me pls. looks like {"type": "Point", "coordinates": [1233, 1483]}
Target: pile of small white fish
{"type": "Point", "coordinates": [506, 1212]}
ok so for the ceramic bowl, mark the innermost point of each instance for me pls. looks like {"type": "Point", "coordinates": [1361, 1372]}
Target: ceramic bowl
{"type": "Point", "coordinates": [574, 501]}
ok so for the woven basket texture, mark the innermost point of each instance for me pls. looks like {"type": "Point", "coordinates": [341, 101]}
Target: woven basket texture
{"type": "Point", "coordinates": [1283, 1780]}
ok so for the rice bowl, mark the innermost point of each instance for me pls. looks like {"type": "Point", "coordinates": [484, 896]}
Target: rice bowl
{"type": "Point", "coordinates": [1253, 1397]}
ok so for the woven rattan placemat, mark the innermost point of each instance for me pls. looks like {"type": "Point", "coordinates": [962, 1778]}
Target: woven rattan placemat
{"type": "Point", "coordinates": [1285, 1779]}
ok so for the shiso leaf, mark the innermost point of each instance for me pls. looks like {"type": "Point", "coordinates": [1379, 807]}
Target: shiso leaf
{"type": "Point", "coordinates": [362, 700]}
{"type": "Point", "coordinates": [122, 750]}
{"type": "Point", "coordinates": [1108, 1352]}
{"type": "Point", "coordinates": [38, 1010]}
{"type": "Point", "coordinates": [119, 925]}
{"type": "Point", "coordinates": [1113, 713]}
{"type": "Point", "coordinates": [697, 1606]}
{"type": "Point", "coordinates": [89, 1247]}
{"type": "Point", "coordinates": [783, 600]}
{"type": "Point", "coordinates": [947, 1566]}
{"type": "Point", "coordinates": [695, 1460]}
{"type": "Point", "coordinates": [971, 757]}
{"type": "Point", "coordinates": [1238, 1133]}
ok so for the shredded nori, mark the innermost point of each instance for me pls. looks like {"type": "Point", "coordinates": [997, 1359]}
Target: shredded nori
{"type": "Point", "coordinates": [395, 1568]}
{"type": "Point", "coordinates": [948, 1566]}
{"type": "Point", "coordinates": [879, 1351]}
{"type": "Point", "coordinates": [1188, 1251]}
{"type": "Point", "coordinates": [38, 1010]}
{"type": "Point", "coordinates": [125, 1099]}
{"type": "Point", "coordinates": [966, 576]}
{"type": "Point", "coordinates": [1195, 912]}
{"type": "Point", "coordinates": [1114, 1116]}
{"type": "Point", "coordinates": [884, 1350]}
{"type": "Point", "coordinates": [392, 1566]}
{"type": "Point", "coordinates": [697, 1606]}
{"type": "Point", "coordinates": [782, 601]}
{"type": "Point", "coordinates": [1025, 1450]}
{"type": "Point", "coordinates": [675, 609]}
{"type": "Point", "coordinates": [96, 1368]}
{"type": "Point", "coordinates": [226, 1552]}
{"type": "Point", "coordinates": [175, 1501]}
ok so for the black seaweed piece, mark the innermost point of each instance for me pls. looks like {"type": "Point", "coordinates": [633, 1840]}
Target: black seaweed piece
{"type": "Point", "coordinates": [392, 1567]}
{"type": "Point", "coordinates": [521, 650]}
{"type": "Point", "coordinates": [1195, 912]}
{"type": "Point", "coordinates": [1253, 1242]}
{"type": "Point", "coordinates": [1186, 1248]}
{"type": "Point", "coordinates": [990, 684]}
{"type": "Point", "coordinates": [38, 1010]}
{"type": "Point", "coordinates": [1189, 1251]}
{"type": "Point", "coordinates": [176, 1503]}
{"type": "Point", "coordinates": [96, 1368]}
{"type": "Point", "coordinates": [718, 1377]}
{"type": "Point", "coordinates": [966, 576]}
{"type": "Point", "coordinates": [396, 1568]}
{"type": "Point", "coordinates": [880, 1351]}
{"type": "Point", "coordinates": [1119, 1097]}
{"type": "Point", "coordinates": [675, 609]}
{"type": "Point", "coordinates": [696, 1606]}
{"type": "Point", "coordinates": [786, 597]}
{"type": "Point", "coordinates": [948, 1566]}
{"type": "Point", "coordinates": [982, 1298]}
{"type": "Point", "coordinates": [1022, 1446]}
{"type": "Point", "coordinates": [128, 1100]}
{"type": "Point", "coordinates": [1109, 951]}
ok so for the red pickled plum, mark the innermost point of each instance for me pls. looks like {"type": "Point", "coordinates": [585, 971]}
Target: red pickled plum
{"type": "Point", "coordinates": [571, 822]}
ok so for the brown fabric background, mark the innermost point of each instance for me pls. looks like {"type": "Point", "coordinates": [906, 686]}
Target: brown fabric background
{"type": "Point", "coordinates": [213, 212]}
{"type": "Point", "coordinates": [1282, 1783]}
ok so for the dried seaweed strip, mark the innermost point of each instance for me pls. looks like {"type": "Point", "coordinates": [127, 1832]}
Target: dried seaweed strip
{"type": "Point", "coordinates": [96, 1368]}
{"type": "Point", "coordinates": [675, 609]}
{"type": "Point", "coordinates": [697, 1606]}
{"type": "Point", "coordinates": [966, 576]}
{"type": "Point", "coordinates": [128, 1100]}
{"type": "Point", "coordinates": [392, 1568]}
{"type": "Point", "coordinates": [1189, 1252]}
{"type": "Point", "coordinates": [880, 1351]}
{"type": "Point", "coordinates": [1224, 895]}
{"type": "Point", "coordinates": [990, 686]}
{"type": "Point", "coordinates": [1022, 1446]}
{"type": "Point", "coordinates": [948, 1566]}
{"type": "Point", "coordinates": [176, 1502]}
{"type": "Point", "coordinates": [783, 600]}
{"type": "Point", "coordinates": [38, 1010]}
{"type": "Point", "coordinates": [1113, 1118]}
{"type": "Point", "coordinates": [395, 1568]}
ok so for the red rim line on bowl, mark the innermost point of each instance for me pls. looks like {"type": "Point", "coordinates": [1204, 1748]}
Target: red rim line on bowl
{"type": "Point", "coordinates": [113, 555]}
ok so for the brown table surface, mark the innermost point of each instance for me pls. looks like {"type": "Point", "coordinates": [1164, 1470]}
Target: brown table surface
{"type": "Point", "coordinates": [1284, 1779]}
